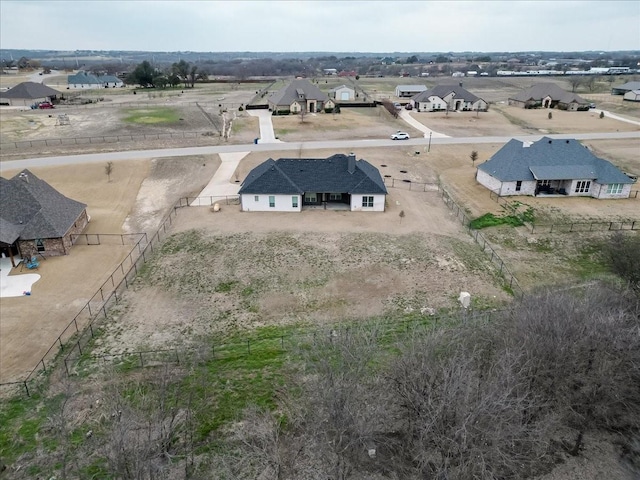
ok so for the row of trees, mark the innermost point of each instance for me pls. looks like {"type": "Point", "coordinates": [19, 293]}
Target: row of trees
{"type": "Point", "coordinates": [146, 75]}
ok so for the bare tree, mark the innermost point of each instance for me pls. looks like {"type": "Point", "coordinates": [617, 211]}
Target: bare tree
{"type": "Point", "coordinates": [108, 169]}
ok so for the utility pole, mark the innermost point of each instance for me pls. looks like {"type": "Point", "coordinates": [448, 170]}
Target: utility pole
{"type": "Point", "coordinates": [429, 149]}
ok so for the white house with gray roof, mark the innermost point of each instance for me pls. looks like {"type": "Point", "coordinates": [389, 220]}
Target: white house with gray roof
{"type": "Point", "coordinates": [83, 80]}
{"type": "Point", "coordinates": [299, 95]}
{"type": "Point", "coordinates": [339, 182]}
{"type": "Point", "coordinates": [552, 167]}
{"type": "Point", "coordinates": [447, 97]}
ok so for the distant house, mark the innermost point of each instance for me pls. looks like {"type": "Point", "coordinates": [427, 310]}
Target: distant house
{"type": "Point", "coordinates": [330, 71]}
{"type": "Point", "coordinates": [409, 90]}
{"type": "Point", "coordinates": [83, 80]}
{"type": "Point", "coordinates": [299, 95]}
{"type": "Point", "coordinates": [36, 219]}
{"type": "Point", "coordinates": [27, 94]}
{"type": "Point", "coordinates": [624, 88]}
{"type": "Point", "coordinates": [290, 184]}
{"type": "Point", "coordinates": [548, 166]}
{"type": "Point", "coordinates": [343, 93]}
{"type": "Point", "coordinates": [549, 95]}
{"type": "Point", "coordinates": [447, 97]}
{"type": "Point", "coordinates": [632, 96]}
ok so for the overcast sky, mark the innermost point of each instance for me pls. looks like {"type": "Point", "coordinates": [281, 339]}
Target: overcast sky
{"type": "Point", "coordinates": [327, 26]}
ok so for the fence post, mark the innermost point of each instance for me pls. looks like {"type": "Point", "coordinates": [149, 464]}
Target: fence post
{"type": "Point", "coordinates": [248, 346]}
{"type": "Point", "coordinates": [26, 388]}
{"type": "Point", "coordinates": [141, 362]}
{"type": "Point", "coordinates": [43, 365]}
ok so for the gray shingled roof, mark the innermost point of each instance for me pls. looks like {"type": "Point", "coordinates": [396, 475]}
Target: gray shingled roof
{"type": "Point", "coordinates": [541, 90]}
{"type": "Point", "coordinates": [444, 90]}
{"type": "Point", "coordinates": [628, 86]}
{"type": "Point", "coordinates": [31, 90]}
{"type": "Point", "coordinates": [299, 175]}
{"type": "Point", "coordinates": [549, 159]}
{"type": "Point", "coordinates": [288, 94]}
{"type": "Point", "coordinates": [83, 78]}
{"type": "Point", "coordinates": [31, 208]}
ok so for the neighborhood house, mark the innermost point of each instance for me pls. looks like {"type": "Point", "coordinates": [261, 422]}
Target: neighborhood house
{"type": "Point", "coordinates": [27, 94]}
{"type": "Point", "coordinates": [339, 182]}
{"type": "Point", "coordinates": [84, 80]}
{"type": "Point", "coordinates": [552, 167]}
{"type": "Point", "coordinates": [549, 95]}
{"type": "Point", "coordinates": [409, 90]}
{"type": "Point", "coordinates": [299, 96]}
{"type": "Point", "coordinates": [36, 219]}
{"type": "Point", "coordinates": [343, 93]}
{"type": "Point", "coordinates": [447, 97]}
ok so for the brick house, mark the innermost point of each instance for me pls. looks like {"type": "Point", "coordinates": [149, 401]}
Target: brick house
{"type": "Point", "coordinates": [36, 219]}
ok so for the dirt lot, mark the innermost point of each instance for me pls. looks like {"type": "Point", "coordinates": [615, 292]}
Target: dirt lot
{"type": "Point", "coordinates": [68, 282]}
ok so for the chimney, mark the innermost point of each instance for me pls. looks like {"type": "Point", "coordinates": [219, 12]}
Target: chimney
{"type": "Point", "coordinates": [351, 163]}
{"type": "Point", "coordinates": [24, 177]}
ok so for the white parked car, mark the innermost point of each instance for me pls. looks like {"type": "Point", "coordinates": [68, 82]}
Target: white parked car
{"type": "Point", "coordinates": [400, 136]}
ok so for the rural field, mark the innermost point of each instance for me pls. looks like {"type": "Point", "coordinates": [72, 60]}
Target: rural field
{"type": "Point", "coordinates": [229, 276]}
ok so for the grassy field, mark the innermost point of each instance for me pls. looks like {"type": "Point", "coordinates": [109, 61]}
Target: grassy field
{"type": "Point", "coordinates": [154, 116]}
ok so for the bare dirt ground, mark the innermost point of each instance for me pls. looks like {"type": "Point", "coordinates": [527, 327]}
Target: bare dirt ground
{"type": "Point", "coordinates": [29, 325]}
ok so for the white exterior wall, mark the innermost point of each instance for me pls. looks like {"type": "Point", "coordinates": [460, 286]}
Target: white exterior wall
{"type": "Point", "coordinates": [488, 181]}
{"type": "Point", "coordinates": [338, 93]}
{"type": "Point", "coordinates": [85, 86]}
{"type": "Point", "coordinates": [113, 84]}
{"type": "Point", "coordinates": [378, 203]}
{"type": "Point", "coordinates": [283, 203]}
{"type": "Point", "coordinates": [602, 193]}
{"type": "Point", "coordinates": [432, 103]}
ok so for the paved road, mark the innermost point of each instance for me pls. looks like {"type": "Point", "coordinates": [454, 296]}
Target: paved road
{"type": "Point", "coordinates": [341, 145]}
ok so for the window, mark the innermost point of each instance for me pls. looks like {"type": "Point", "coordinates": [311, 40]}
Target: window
{"type": "Point", "coordinates": [518, 185]}
{"type": "Point", "coordinates": [583, 186]}
{"type": "Point", "coordinates": [367, 201]}
{"type": "Point", "coordinates": [544, 183]}
{"type": "Point", "coordinates": [39, 245]}
{"type": "Point", "coordinates": [272, 201]}
{"type": "Point", "coordinates": [335, 196]}
{"type": "Point", "coordinates": [614, 188]}
{"type": "Point", "coordinates": [294, 201]}
{"type": "Point", "coordinates": [256, 198]}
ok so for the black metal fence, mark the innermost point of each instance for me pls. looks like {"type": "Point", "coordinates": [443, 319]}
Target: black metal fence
{"type": "Point", "coordinates": [407, 184]}
{"type": "Point", "coordinates": [208, 201]}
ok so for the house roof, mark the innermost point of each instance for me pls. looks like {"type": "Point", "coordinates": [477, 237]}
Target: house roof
{"type": "Point", "coordinates": [328, 175]}
{"type": "Point", "coordinates": [109, 79]}
{"type": "Point", "coordinates": [31, 90]}
{"type": "Point", "coordinates": [83, 78]}
{"type": "Point", "coordinates": [289, 94]}
{"type": "Point", "coordinates": [341, 87]}
{"type": "Point", "coordinates": [412, 88]}
{"type": "Point", "coordinates": [628, 86]}
{"type": "Point", "coordinates": [549, 159]}
{"type": "Point", "coordinates": [31, 208]}
{"type": "Point", "coordinates": [442, 91]}
{"type": "Point", "coordinates": [542, 90]}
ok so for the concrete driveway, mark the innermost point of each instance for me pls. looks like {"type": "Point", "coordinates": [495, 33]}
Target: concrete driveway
{"type": "Point", "coordinates": [266, 126]}
{"type": "Point", "coordinates": [406, 116]}
{"type": "Point", "coordinates": [222, 184]}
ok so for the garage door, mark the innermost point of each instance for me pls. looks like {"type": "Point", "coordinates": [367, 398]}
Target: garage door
{"type": "Point", "coordinates": [344, 95]}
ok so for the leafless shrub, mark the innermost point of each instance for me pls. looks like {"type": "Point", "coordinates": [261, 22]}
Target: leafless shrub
{"type": "Point", "coordinates": [622, 253]}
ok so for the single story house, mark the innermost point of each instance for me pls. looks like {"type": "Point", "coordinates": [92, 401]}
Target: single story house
{"type": "Point", "coordinates": [409, 90]}
{"type": "Point", "coordinates": [343, 93]}
{"type": "Point", "coordinates": [84, 80]}
{"type": "Point", "coordinates": [337, 182]}
{"type": "Point", "coordinates": [299, 95]}
{"type": "Point", "coordinates": [551, 166]}
{"type": "Point", "coordinates": [447, 97]}
{"type": "Point", "coordinates": [624, 88]}
{"type": "Point", "coordinates": [28, 93]}
{"type": "Point", "coordinates": [36, 219]}
{"type": "Point", "coordinates": [549, 95]}
{"type": "Point", "coordinates": [632, 96]}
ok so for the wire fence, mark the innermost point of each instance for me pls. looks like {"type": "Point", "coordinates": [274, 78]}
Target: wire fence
{"type": "Point", "coordinates": [581, 227]}
{"type": "Point", "coordinates": [71, 344]}
{"type": "Point", "coordinates": [208, 137]}
{"type": "Point", "coordinates": [480, 239]}
{"type": "Point", "coordinates": [407, 184]}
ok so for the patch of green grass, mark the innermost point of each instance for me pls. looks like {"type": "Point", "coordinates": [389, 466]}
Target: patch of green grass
{"type": "Point", "coordinates": [225, 287]}
{"type": "Point", "coordinates": [514, 216]}
{"type": "Point", "coordinates": [151, 116]}
{"type": "Point", "coordinates": [588, 262]}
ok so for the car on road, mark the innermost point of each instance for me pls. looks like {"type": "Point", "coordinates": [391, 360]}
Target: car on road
{"type": "Point", "coordinates": [592, 105]}
{"type": "Point", "coordinates": [45, 105]}
{"type": "Point", "coordinates": [409, 106]}
{"type": "Point", "coordinates": [400, 136]}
